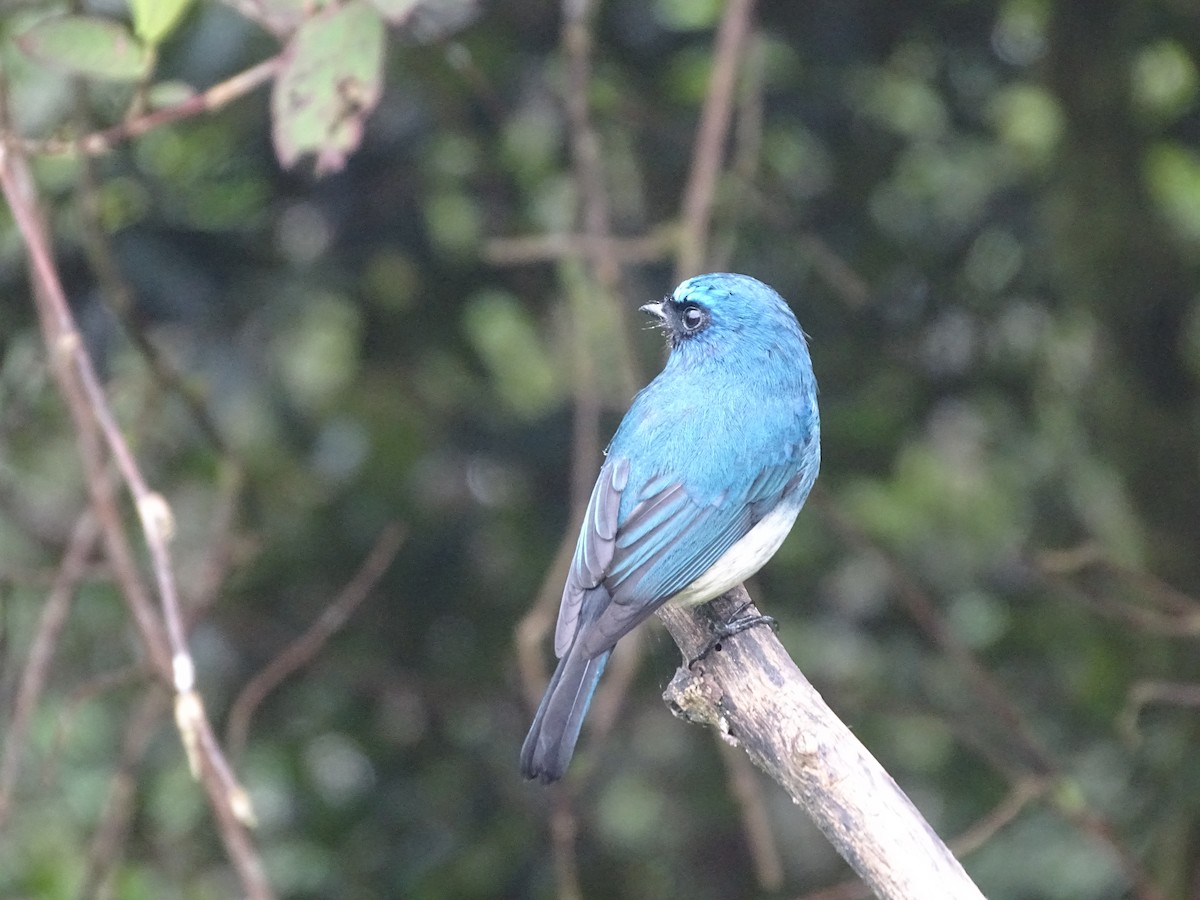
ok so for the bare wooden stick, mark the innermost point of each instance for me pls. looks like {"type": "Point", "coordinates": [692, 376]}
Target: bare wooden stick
{"type": "Point", "coordinates": [756, 697]}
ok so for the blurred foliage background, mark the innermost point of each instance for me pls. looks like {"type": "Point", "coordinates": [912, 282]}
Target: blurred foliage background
{"type": "Point", "coordinates": [985, 214]}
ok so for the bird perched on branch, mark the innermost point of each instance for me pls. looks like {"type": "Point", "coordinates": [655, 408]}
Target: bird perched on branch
{"type": "Point", "coordinates": [701, 484]}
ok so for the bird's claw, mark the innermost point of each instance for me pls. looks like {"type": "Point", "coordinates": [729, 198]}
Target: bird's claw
{"type": "Point", "coordinates": [735, 624]}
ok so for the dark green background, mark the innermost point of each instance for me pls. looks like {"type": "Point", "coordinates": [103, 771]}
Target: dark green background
{"type": "Point", "coordinates": [985, 215]}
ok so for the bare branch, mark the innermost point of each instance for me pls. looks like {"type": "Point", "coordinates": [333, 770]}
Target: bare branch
{"type": "Point", "coordinates": [1020, 796]}
{"type": "Point", "coordinates": [1161, 608]}
{"type": "Point", "coordinates": [585, 144]}
{"type": "Point", "coordinates": [746, 152]}
{"type": "Point", "coordinates": [304, 649]}
{"type": "Point", "coordinates": [41, 652]}
{"type": "Point", "coordinates": [836, 272]}
{"type": "Point", "coordinates": [1014, 802]}
{"type": "Point", "coordinates": [923, 611]}
{"type": "Point", "coordinates": [86, 400]}
{"type": "Point", "coordinates": [747, 788]}
{"type": "Point", "coordinates": [563, 830]}
{"type": "Point", "coordinates": [110, 834]}
{"type": "Point", "coordinates": [1147, 692]}
{"type": "Point", "coordinates": [754, 696]}
{"type": "Point", "coordinates": [658, 244]}
{"type": "Point", "coordinates": [711, 135]}
{"type": "Point", "coordinates": [603, 269]}
{"type": "Point", "coordinates": [102, 141]}
{"type": "Point", "coordinates": [539, 620]}
{"type": "Point", "coordinates": [65, 344]}
{"type": "Point", "coordinates": [1143, 888]}
{"type": "Point", "coordinates": [991, 694]}
{"type": "Point", "coordinates": [120, 297]}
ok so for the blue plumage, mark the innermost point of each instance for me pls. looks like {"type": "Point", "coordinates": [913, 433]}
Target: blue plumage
{"type": "Point", "coordinates": [702, 482]}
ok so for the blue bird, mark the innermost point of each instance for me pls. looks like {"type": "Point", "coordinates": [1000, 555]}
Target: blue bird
{"type": "Point", "coordinates": [701, 484]}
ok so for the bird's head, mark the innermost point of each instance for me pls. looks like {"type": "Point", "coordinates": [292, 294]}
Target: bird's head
{"type": "Point", "coordinates": [723, 307]}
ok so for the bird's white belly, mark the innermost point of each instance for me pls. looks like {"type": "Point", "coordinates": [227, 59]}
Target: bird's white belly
{"type": "Point", "coordinates": [745, 557]}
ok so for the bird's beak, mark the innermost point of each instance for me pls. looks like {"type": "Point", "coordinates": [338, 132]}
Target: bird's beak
{"type": "Point", "coordinates": [656, 310]}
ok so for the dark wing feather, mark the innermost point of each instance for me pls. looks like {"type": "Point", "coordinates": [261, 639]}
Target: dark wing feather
{"type": "Point", "coordinates": [622, 572]}
{"type": "Point", "coordinates": [593, 553]}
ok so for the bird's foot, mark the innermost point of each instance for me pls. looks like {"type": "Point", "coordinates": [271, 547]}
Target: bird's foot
{"type": "Point", "coordinates": [735, 624]}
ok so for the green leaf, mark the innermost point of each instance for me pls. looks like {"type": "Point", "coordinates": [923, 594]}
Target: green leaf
{"type": "Point", "coordinates": [154, 20]}
{"type": "Point", "coordinates": [84, 45]}
{"type": "Point", "coordinates": [330, 82]}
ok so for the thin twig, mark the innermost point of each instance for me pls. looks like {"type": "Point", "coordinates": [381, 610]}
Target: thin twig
{"type": "Point", "coordinates": [1020, 795]}
{"type": "Point", "coordinates": [80, 386]}
{"type": "Point", "coordinates": [709, 149]}
{"type": "Point", "coordinates": [1168, 611]}
{"type": "Point", "coordinates": [539, 620]}
{"type": "Point", "coordinates": [110, 833]}
{"type": "Point", "coordinates": [835, 272]}
{"type": "Point", "coordinates": [1146, 692]}
{"type": "Point", "coordinates": [305, 648]}
{"type": "Point", "coordinates": [225, 548]}
{"type": "Point", "coordinates": [990, 692]}
{"type": "Point", "coordinates": [746, 154]}
{"type": "Point", "coordinates": [1151, 621]}
{"type": "Point", "coordinates": [656, 245]}
{"type": "Point", "coordinates": [603, 254]}
{"type": "Point", "coordinates": [603, 268]}
{"type": "Point", "coordinates": [563, 830]}
{"type": "Point", "coordinates": [17, 184]}
{"type": "Point", "coordinates": [585, 144]}
{"type": "Point", "coordinates": [67, 348]}
{"type": "Point", "coordinates": [747, 788]}
{"type": "Point", "coordinates": [120, 296]}
{"type": "Point", "coordinates": [531, 630]}
{"type": "Point", "coordinates": [923, 611]}
{"type": "Point", "coordinates": [41, 652]}
{"type": "Point", "coordinates": [102, 141]}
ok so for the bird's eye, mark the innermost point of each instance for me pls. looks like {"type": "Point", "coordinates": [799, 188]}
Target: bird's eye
{"type": "Point", "coordinates": [693, 317]}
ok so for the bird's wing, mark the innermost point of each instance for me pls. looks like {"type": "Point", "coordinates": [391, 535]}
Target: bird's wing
{"type": "Point", "coordinates": [621, 574]}
{"type": "Point", "coordinates": [593, 552]}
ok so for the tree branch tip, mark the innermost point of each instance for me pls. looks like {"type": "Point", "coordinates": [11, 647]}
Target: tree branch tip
{"type": "Point", "coordinates": [183, 670]}
{"type": "Point", "coordinates": [242, 808]}
{"type": "Point", "coordinates": [158, 520]}
{"type": "Point", "coordinates": [66, 345]}
{"type": "Point", "coordinates": [188, 711]}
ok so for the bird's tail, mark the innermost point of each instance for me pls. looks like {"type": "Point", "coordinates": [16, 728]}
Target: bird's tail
{"type": "Point", "coordinates": [555, 729]}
